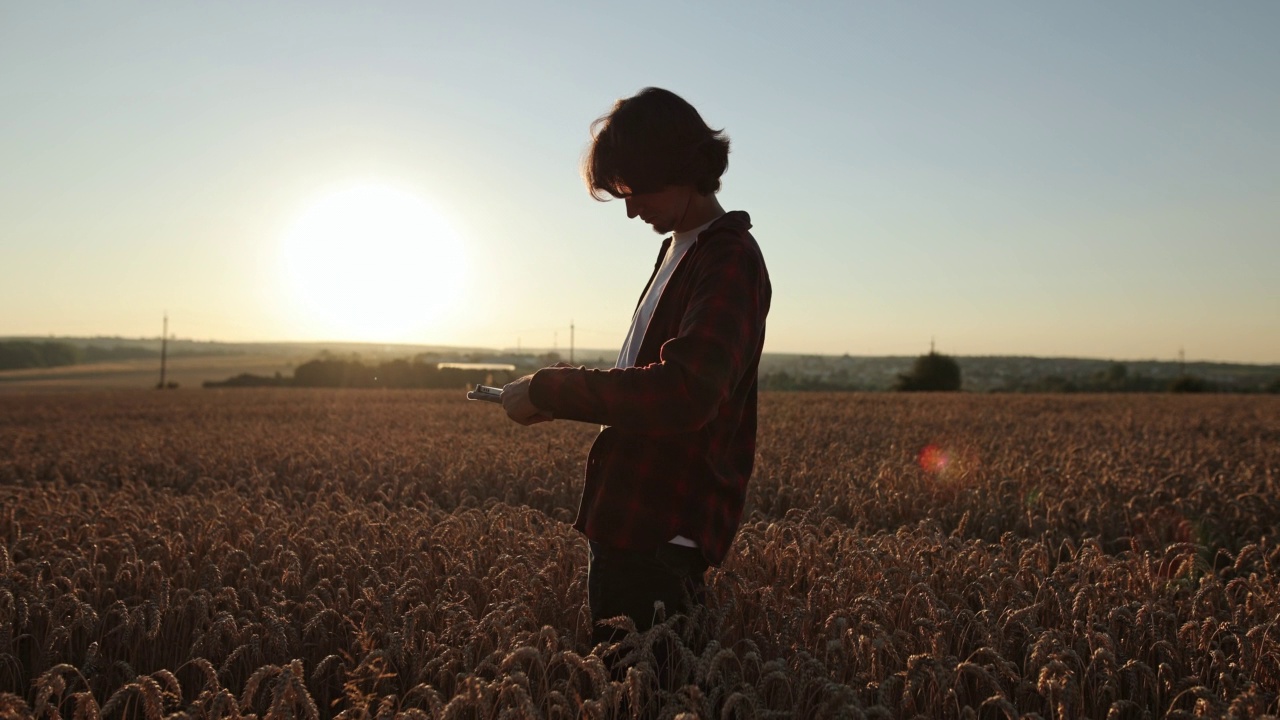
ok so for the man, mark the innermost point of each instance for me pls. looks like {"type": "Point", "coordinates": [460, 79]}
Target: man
{"type": "Point", "coordinates": [666, 478]}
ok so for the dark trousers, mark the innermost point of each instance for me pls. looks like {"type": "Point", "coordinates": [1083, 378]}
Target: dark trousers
{"type": "Point", "coordinates": [629, 582]}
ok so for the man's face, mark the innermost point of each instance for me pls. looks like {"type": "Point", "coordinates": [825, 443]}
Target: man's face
{"type": "Point", "coordinates": [662, 209]}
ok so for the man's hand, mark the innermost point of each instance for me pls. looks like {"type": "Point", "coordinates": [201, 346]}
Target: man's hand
{"type": "Point", "coordinates": [515, 400]}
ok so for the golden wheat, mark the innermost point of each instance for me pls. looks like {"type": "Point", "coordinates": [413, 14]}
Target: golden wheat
{"type": "Point", "coordinates": [406, 554]}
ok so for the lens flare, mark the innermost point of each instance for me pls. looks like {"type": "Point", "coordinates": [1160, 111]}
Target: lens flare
{"type": "Point", "coordinates": [947, 462]}
{"type": "Point", "coordinates": [934, 459]}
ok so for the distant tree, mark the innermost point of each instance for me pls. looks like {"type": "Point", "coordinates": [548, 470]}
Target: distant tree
{"type": "Point", "coordinates": [1274, 387]}
{"type": "Point", "coordinates": [248, 380]}
{"type": "Point", "coordinates": [934, 371]}
{"type": "Point", "coordinates": [19, 354]}
{"type": "Point", "coordinates": [16, 355]}
{"type": "Point", "coordinates": [1114, 378]}
{"type": "Point", "coordinates": [57, 354]}
{"type": "Point", "coordinates": [333, 373]}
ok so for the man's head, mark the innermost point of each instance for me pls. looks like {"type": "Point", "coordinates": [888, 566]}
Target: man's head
{"type": "Point", "coordinates": [652, 142]}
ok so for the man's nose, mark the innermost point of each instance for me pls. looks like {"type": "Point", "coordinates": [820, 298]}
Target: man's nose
{"type": "Point", "coordinates": [632, 209]}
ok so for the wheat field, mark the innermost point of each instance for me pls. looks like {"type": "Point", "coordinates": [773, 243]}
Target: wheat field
{"type": "Point", "coordinates": [291, 553]}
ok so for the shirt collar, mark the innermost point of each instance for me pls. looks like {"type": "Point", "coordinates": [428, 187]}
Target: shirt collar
{"type": "Point", "coordinates": [689, 236]}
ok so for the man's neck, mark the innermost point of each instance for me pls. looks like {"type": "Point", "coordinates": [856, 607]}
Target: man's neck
{"type": "Point", "coordinates": [702, 210]}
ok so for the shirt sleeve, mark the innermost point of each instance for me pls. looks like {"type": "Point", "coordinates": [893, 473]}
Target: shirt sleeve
{"type": "Point", "coordinates": [722, 327]}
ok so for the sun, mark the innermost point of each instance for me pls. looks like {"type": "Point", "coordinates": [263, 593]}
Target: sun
{"type": "Point", "coordinates": [373, 263]}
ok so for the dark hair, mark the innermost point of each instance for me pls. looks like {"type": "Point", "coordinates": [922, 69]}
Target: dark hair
{"type": "Point", "coordinates": [650, 141]}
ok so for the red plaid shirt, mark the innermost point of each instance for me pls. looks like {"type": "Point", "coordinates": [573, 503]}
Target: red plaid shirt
{"type": "Point", "coordinates": [681, 436]}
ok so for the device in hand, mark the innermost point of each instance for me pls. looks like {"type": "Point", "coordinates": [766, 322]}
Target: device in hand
{"type": "Point", "coordinates": [486, 393]}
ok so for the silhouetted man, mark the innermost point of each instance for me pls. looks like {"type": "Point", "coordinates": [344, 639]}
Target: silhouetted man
{"type": "Point", "coordinates": [666, 478]}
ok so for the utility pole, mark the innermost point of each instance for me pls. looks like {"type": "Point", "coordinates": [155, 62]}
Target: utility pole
{"type": "Point", "coordinates": [164, 347]}
{"type": "Point", "coordinates": [571, 342]}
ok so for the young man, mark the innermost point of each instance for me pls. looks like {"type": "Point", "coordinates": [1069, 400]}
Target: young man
{"type": "Point", "coordinates": [666, 478]}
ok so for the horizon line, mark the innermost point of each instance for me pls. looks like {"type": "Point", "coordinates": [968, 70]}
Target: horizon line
{"type": "Point", "coordinates": [541, 350]}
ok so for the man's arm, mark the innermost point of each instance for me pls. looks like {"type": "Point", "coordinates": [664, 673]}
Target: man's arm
{"type": "Point", "coordinates": [698, 369]}
{"type": "Point", "coordinates": [515, 400]}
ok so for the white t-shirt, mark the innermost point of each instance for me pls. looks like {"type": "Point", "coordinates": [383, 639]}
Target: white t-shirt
{"type": "Point", "coordinates": [680, 244]}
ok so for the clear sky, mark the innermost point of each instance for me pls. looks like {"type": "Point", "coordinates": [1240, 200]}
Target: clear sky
{"type": "Point", "coordinates": [1084, 179]}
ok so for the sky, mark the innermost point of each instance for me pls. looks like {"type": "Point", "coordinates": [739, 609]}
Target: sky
{"type": "Point", "coordinates": [1082, 179]}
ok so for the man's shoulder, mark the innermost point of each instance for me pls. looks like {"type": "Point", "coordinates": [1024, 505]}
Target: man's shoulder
{"type": "Point", "coordinates": [734, 222]}
{"type": "Point", "coordinates": [731, 233]}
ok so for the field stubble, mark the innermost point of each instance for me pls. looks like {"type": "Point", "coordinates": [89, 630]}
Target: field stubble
{"type": "Point", "coordinates": [382, 553]}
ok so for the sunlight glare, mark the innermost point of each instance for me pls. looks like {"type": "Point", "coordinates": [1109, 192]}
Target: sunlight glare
{"type": "Point", "coordinates": [373, 263]}
{"type": "Point", "coordinates": [947, 462]}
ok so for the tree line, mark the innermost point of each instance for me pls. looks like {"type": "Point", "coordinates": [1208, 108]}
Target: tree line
{"type": "Point", "coordinates": [353, 373]}
{"type": "Point", "coordinates": [934, 372]}
{"type": "Point", "coordinates": [937, 372]}
{"type": "Point", "coordinates": [1117, 378]}
{"type": "Point", "coordinates": [25, 354]}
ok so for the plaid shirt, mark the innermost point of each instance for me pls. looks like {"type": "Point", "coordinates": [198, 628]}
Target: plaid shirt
{"type": "Point", "coordinates": [681, 436]}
